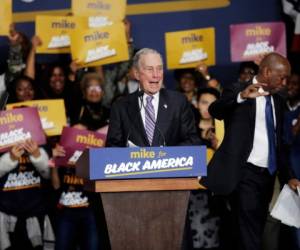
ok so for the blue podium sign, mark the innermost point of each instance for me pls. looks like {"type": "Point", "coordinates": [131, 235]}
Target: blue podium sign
{"type": "Point", "coordinates": [145, 162]}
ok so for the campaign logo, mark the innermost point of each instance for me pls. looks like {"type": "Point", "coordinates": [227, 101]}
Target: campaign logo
{"type": "Point", "coordinates": [27, 1]}
{"type": "Point", "coordinates": [151, 162]}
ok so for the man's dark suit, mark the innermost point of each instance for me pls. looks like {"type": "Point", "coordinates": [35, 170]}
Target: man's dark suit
{"type": "Point", "coordinates": [249, 187]}
{"type": "Point", "coordinates": [174, 125]}
{"type": "Point", "coordinates": [224, 170]}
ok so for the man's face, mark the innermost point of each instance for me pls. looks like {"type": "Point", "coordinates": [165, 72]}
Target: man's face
{"type": "Point", "coordinates": [277, 78]}
{"type": "Point", "coordinates": [150, 73]}
{"type": "Point", "coordinates": [293, 86]}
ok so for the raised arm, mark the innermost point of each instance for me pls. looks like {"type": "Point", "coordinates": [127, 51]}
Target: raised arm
{"type": "Point", "coordinates": [233, 96]}
{"type": "Point", "coordinates": [30, 61]}
{"type": "Point", "coordinates": [112, 76]}
{"type": "Point", "coordinates": [16, 53]}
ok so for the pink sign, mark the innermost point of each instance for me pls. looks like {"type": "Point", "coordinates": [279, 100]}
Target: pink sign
{"type": "Point", "coordinates": [75, 141]}
{"type": "Point", "coordinates": [18, 125]}
{"type": "Point", "coordinates": [253, 39]}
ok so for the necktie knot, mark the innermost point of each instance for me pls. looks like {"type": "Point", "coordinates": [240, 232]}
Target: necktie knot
{"type": "Point", "coordinates": [149, 99]}
{"type": "Point", "coordinates": [268, 98]}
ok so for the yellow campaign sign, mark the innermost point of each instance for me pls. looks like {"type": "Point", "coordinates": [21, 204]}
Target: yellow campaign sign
{"type": "Point", "coordinates": [55, 32]}
{"type": "Point", "coordinates": [52, 121]}
{"type": "Point", "coordinates": [100, 13]}
{"type": "Point", "coordinates": [148, 7]}
{"type": "Point", "coordinates": [94, 47]}
{"type": "Point", "coordinates": [185, 49]}
{"type": "Point", "coordinates": [5, 16]}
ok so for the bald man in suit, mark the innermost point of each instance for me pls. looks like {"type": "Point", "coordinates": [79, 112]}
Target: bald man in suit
{"type": "Point", "coordinates": [246, 162]}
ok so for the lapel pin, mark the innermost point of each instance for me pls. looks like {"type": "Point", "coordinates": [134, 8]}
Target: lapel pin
{"type": "Point", "coordinates": [165, 106]}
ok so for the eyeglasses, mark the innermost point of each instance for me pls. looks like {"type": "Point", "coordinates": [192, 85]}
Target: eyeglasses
{"type": "Point", "coordinates": [94, 88]}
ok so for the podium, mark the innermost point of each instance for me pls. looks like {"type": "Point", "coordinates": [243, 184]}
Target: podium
{"type": "Point", "coordinates": [141, 213]}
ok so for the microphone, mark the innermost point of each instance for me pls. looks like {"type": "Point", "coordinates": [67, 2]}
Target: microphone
{"type": "Point", "coordinates": [155, 125]}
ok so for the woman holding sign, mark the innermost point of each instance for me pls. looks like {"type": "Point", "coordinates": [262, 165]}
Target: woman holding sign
{"type": "Point", "coordinates": [77, 222]}
{"type": "Point", "coordinates": [23, 200]}
{"type": "Point", "coordinates": [60, 87]}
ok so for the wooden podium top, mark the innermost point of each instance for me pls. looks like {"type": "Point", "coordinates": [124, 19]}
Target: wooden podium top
{"type": "Point", "coordinates": [91, 167]}
{"type": "Point", "coordinates": [135, 185]}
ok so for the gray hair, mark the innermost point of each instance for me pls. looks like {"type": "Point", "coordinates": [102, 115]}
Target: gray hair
{"type": "Point", "coordinates": [145, 51]}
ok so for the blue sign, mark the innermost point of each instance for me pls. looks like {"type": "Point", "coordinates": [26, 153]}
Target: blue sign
{"type": "Point", "coordinates": [147, 162]}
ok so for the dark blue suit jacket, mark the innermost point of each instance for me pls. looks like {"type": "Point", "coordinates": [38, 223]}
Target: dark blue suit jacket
{"type": "Point", "coordinates": [224, 170]}
{"type": "Point", "coordinates": [175, 123]}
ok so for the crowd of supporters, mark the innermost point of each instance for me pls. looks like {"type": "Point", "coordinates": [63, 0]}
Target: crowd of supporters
{"type": "Point", "coordinates": [57, 211]}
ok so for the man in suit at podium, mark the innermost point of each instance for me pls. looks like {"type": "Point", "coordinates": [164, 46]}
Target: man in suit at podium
{"type": "Point", "coordinates": [245, 164]}
{"type": "Point", "coordinates": [152, 116]}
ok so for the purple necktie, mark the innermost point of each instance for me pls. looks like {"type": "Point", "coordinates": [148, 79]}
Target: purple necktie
{"type": "Point", "coordinates": [149, 119]}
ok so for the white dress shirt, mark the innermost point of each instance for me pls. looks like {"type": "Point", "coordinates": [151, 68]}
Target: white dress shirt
{"type": "Point", "coordinates": [260, 150]}
{"type": "Point", "coordinates": [155, 102]}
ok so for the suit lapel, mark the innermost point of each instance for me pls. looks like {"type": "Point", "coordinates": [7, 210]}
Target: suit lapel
{"type": "Point", "coordinates": [137, 124]}
{"type": "Point", "coordinates": [252, 111]}
{"type": "Point", "coordinates": [252, 114]}
{"type": "Point", "coordinates": [278, 113]}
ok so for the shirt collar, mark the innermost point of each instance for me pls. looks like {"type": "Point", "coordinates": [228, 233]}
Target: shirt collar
{"type": "Point", "coordinates": [294, 107]}
{"type": "Point", "coordinates": [254, 80]}
{"type": "Point", "coordinates": [155, 96]}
